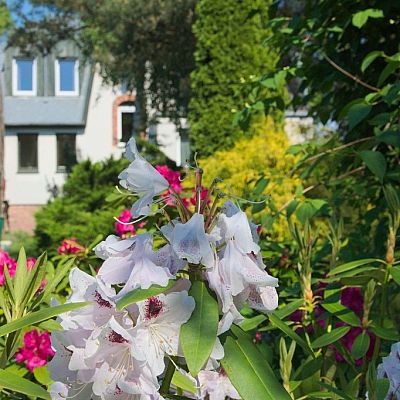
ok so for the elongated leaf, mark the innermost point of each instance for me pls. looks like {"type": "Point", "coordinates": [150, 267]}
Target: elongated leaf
{"type": "Point", "coordinates": [370, 58]}
{"type": "Point", "coordinates": [143, 294]}
{"type": "Point", "coordinates": [288, 308]}
{"type": "Point", "coordinates": [288, 330]}
{"type": "Point", "coordinates": [11, 381]}
{"type": "Point", "coordinates": [248, 371]}
{"type": "Point", "coordinates": [357, 113]}
{"type": "Point", "coordinates": [385, 333]}
{"type": "Point", "coordinates": [329, 338]}
{"type": "Point", "coordinates": [395, 272]}
{"type": "Point", "coordinates": [20, 278]}
{"type": "Point", "coordinates": [251, 323]}
{"type": "Point", "coordinates": [353, 264]}
{"type": "Point", "coordinates": [360, 346]}
{"type": "Point", "coordinates": [375, 161]}
{"type": "Point", "coordinates": [337, 391]}
{"type": "Point", "coordinates": [39, 316]}
{"type": "Point", "coordinates": [360, 18]}
{"type": "Point", "coordinates": [308, 368]}
{"type": "Point", "coordinates": [183, 382]}
{"type": "Point", "coordinates": [342, 312]}
{"type": "Point", "coordinates": [199, 334]}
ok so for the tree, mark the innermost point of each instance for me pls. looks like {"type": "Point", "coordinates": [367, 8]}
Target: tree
{"type": "Point", "coordinates": [146, 45]}
{"type": "Point", "coordinates": [229, 51]}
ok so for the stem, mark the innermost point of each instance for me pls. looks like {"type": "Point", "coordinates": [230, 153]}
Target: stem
{"type": "Point", "coordinates": [169, 373]}
{"type": "Point", "coordinates": [349, 75]}
{"type": "Point", "coordinates": [209, 193]}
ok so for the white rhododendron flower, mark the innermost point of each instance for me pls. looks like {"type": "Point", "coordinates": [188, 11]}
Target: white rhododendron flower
{"type": "Point", "coordinates": [157, 330]}
{"type": "Point", "coordinates": [190, 241]}
{"type": "Point", "coordinates": [108, 351]}
{"type": "Point", "coordinates": [141, 178]}
{"type": "Point", "coordinates": [216, 385]}
{"type": "Point", "coordinates": [390, 369]}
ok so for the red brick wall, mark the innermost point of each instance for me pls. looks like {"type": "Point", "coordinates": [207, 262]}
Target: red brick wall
{"type": "Point", "coordinates": [21, 218]}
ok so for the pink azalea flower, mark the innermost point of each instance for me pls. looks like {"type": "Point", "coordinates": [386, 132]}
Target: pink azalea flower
{"type": "Point", "coordinates": [69, 246]}
{"type": "Point", "coordinates": [172, 177]}
{"type": "Point", "coordinates": [11, 264]}
{"type": "Point", "coordinates": [30, 263]}
{"type": "Point", "coordinates": [36, 350]}
{"type": "Point", "coordinates": [122, 229]}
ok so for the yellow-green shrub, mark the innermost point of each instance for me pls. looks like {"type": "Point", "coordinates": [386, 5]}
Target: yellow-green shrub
{"type": "Point", "coordinates": [261, 154]}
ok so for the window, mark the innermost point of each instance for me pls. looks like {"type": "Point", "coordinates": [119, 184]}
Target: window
{"type": "Point", "coordinates": [67, 77]}
{"type": "Point", "coordinates": [126, 121]}
{"type": "Point", "coordinates": [66, 152]}
{"type": "Point", "coordinates": [27, 153]}
{"type": "Point", "coordinates": [24, 76]}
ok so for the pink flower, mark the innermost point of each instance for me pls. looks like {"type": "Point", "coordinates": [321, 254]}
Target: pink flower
{"type": "Point", "coordinates": [11, 264]}
{"type": "Point", "coordinates": [69, 246]}
{"type": "Point", "coordinates": [203, 195]}
{"type": "Point", "coordinates": [172, 177]}
{"type": "Point", "coordinates": [30, 263]}
{"type": "Point", "coordinates": [36, 350]}
{"type": "Point", "coordinates": [122, 229]}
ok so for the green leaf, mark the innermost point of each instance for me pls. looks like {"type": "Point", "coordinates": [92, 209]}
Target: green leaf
{"type": "Point", "coordinates": [198, 335]}
{"type": "Point", "coordinates": [395, 272]}
{"type": "Point", "coordinates": [143, 294]}
{"type": "Point", "coordinates": [360, 345]}
{"type": "Point", "coordinates": [391, 137]}
{"type": "Point", "coordinates": [333, 389]}
{"type": "Point", "coordinates": [385, 333]}
{"type": "Point", "coordinates": [375, 162]}
{"type": "Point", "coordinates": [342, 312]}
{"type": "Point", "coordinates": [42, 375]}
{"type": "Point", "coordinates": [359, 19]}
{"type": "Point", "coordinates": [382, 388]}
{"type": "Point", "coordinates": [357, 112]}
{"type": "Point", "coordinates": [289, 331]}
{"type": "Point", "coordinates": [11, 381]}
{"type": "Point", "coordinates": [261, 186]}
{"type": "Point", "coordinates": [251, 323]}
{"type": "Point", "coordinates": [329, 338]}
{"type": "Point", "coordinates": [39, 316]}
{"type": "Point", "coordinates": [183, 382]}
{"type": "Point", "coordinates": [308, 368]}
{"type": "Point", "coordinates": [353, 264]}
{"type": "Point", "coordinates": [370, 58]}
{"type": "Point", "coordinates": [248, 371]}
{"type": "Point", "coordinates": [20, 278]}
{"type": "Point", "coordinates": [289, 308]}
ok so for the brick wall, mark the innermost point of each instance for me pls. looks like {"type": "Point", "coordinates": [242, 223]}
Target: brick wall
{"type": "Point", "coordinates": [21, 218]}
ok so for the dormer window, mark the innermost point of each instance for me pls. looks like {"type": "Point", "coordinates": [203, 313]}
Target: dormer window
{"type": "Point", "coordinates": [24, 76]}
{"type": "Point", "coordinates": [67, 77]}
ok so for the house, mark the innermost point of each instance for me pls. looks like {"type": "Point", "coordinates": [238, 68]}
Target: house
{"type": "Point", "coordinates": [57, 111]}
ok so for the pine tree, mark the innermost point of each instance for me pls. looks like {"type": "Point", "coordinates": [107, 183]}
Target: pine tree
{"type": "Point", "coordinates": [229, 51]}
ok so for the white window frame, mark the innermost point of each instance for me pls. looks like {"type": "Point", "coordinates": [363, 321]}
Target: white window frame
{"type": "Point", "coordinates": [15, 90]}
{"type": "Point", "coordinates": [57, 70]}
{"type": "Point", "coordinates": [121, 110]}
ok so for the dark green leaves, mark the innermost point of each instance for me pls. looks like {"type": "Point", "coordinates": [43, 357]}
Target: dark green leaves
{"type": "Point", "coordinates": [352, 265]}
{"type": "Point", "coordinates": [357, 112]}
{"type": "Point", "coordinates": [13, 382]}
{"type": "Point", "coordinates": [370, 58]}
{"type": "Point", "coordinates": [360, 18]}
{"type": "Point", "coordinates": [375, 161]}
{"type": "Point", "coordinates": [329, 338]}
{"type": "Point", "coordinates": [360, 345]}
{"type": "Point", "coordinates": [248, 371]}
{"type": "Point", "coordinates": [199, 334]}
{"type": "Point", "coordinates": [143, 294]}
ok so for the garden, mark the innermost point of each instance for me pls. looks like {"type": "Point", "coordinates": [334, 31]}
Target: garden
{"type": "Point", "coordinates": [265, 268]}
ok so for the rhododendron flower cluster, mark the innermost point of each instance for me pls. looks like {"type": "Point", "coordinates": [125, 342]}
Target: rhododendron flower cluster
{"type": "Point", "coordinates": [6, 260]}
{"type": "Point", "coordinates": [119, 348]}
{"type": "Point", "coordinates": [36, 350]}
{"type": "Point", "coordinates": [70, 246]}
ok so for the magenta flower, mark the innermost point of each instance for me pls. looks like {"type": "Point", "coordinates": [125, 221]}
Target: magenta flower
{"type": "Point", "coordinates": [122, 229]}
{"type": "Point", "coordinates": [30, 263]}
{"type": "Point", "coordinates": [69, 246]}
{"type": "Point", "coordinates": [36, 350]}
{"type": "Point", "coordinates": [172, 177]}
{"type": "Point", "coordinates": [11, 263]}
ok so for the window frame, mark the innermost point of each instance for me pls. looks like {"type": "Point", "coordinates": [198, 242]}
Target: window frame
{"type": "Point", "coordinates": [22, 170]}
{"type": "Point", "coordinates": [123, 109]}
{"type": "Point", "coordinates": [57, 72]}
{"type": "Point", "coordinates": [63, 169]}
{"type": "Point", "coordinates": [15, 90]}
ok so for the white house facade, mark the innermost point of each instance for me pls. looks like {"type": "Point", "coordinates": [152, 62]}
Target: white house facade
{"type": "Point", "coordinates": [58, 112]}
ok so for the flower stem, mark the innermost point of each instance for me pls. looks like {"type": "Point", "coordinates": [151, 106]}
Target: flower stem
{"type": "Point", "coordinates": [169, 373]}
